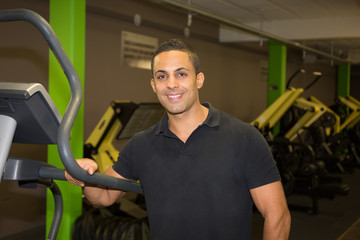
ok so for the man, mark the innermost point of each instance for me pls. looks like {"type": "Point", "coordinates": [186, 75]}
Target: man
{"type": "Point", "coordinates": [201, 169]}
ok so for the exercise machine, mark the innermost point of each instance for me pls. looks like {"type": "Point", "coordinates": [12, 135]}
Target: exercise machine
{"type": "Point", "coordinates": [127, 216]}
{"type": "Point", "coordinates": [335, 135]}
{"type": "Point", "coordinates": [119, 123]}
{"type": "Point", "coordinates": [28, 115]}
{"type": "Point", "coordinates": [301, 169]}
{"type": "Point", "coordinates": [272, 115]}
{"type": "Point", "coordinates": [346, 141]}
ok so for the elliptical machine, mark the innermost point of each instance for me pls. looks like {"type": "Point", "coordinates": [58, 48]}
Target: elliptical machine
{"type": "Point", "coordinates": [28, 115]}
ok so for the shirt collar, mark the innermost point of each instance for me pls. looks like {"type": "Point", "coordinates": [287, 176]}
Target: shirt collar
{"type": "Point", "coordinates": [212, 120]}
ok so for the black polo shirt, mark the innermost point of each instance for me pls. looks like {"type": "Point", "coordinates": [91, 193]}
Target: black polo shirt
{"type": "Point", "coordinates": [199, 189]}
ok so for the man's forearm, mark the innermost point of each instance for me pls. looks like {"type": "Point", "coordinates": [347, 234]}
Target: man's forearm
{"type": "Point", "coordinates": [277, 227]}
{"type": "Point", "coordinates": [101, 196]}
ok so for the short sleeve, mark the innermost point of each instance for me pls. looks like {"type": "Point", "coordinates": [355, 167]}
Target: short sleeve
{"type": "Point", "coordinates": [124, 164]}
{"type": "Point", "coordinates": [261, 167]}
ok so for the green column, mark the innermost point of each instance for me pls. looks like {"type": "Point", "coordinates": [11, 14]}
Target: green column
{"type": "Point", "coordinates": [343, 83]}
{"type": "Point", "coordinates": [67, 18]}
{"type": "Point", "coordinates": [276, 73]}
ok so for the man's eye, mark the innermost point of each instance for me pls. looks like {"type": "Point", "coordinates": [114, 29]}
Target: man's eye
{"type": "Point", "coordinates": [182, 74]}
{"type": "Point", "coordinates": [161, 76]}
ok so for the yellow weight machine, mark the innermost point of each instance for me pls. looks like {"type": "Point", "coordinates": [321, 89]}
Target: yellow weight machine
{"type": "Point", "coordinates": [354, 116]}
{"type": "Point", "coordinates": [273, 114]}
{"type": "Point", "coordinates": [351, 120]}
{"type": "Point", "coordinates": [119, 123]}
{"type": "Point", "coordinates": [335, 127]}
{"type": "Point", "coordinates": [313, 112]}
{"type": "Point", "coordinates": [291, 98]}
{"type": "Point", "coordinates": [301, 170]}
{"type": "Point", "coordinates": [349, 129]}
{"type": "Point", "coordinates": [276, 110]}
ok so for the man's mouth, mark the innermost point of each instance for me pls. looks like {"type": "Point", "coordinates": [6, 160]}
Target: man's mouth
{"type": "Point", "coordinates": [174, 97]}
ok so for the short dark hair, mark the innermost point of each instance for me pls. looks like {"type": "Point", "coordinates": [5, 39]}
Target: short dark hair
{"type": "Point", "coordinates": [178, 45]}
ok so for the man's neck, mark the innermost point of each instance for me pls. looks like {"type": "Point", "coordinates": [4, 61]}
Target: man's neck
{"type": "Point", "coordinates": [182, 125]}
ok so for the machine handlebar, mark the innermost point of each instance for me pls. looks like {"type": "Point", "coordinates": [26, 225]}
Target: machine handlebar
{"type": "Point", "coordinates": [63, 137]}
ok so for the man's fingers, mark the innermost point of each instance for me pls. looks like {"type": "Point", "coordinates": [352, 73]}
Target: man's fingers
{"type": "Point", "coordinates": [90, 168]}
{"type": "Point", "coordinates": [73, 181]}
{"type": "Point", "coordinates": [88, 165]}
{"type": "Point", "coordinates": [91, 171]}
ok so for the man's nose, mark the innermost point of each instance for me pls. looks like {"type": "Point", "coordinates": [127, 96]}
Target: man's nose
{"type": "Point", "coordinates": [172, 82]}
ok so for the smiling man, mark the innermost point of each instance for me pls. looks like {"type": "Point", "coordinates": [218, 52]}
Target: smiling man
{"type": "Point", "coordinates": [177, 85]}
{"type": "Point", "coordinates": [201, 169]}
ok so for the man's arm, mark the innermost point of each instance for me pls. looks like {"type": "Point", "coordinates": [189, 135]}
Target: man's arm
{"type": "Point", "coordinates": [271, 202]}
{"type": "Point", "coordinates": [98, 196]}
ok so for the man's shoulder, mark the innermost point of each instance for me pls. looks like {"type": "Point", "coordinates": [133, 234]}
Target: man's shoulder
{"type": "Point", "coordinates": [237, 127]}
{"type": "Point", "coordinates": [230, 120]}
{"type": "Point", "coordinates": [147, 133]}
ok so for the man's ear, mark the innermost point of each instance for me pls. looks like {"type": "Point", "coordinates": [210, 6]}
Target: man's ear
{"type": "Point", "coordinates": [152, 82]}
{"type": "Point", "coordinates": [200, 78]}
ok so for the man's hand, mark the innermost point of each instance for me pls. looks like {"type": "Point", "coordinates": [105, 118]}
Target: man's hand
{"type": "Point", "coordinates": [88, 165]}
{"type": "Point", "coordinates": [97, 195]}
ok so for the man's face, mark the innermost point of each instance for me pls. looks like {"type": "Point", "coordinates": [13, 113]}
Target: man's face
{"type": "Point", "coordinates": [175, 82]}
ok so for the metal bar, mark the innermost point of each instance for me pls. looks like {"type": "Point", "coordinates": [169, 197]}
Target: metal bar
{"type": "Point", "coordinates": [252, 30]}
{"type": "Point", "coordinates": [58, 212]}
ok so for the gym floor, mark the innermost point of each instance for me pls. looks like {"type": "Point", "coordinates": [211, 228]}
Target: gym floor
{"type": "Point", "coordinates": [335, 217]}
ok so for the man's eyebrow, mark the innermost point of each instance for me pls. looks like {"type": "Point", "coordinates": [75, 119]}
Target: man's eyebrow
{"type": "Point", "coordinates": [160, 71]}
{"type": "Point", "coordinates": [181, 68]}
{"type": "Point", "coordinates": [176, 70]}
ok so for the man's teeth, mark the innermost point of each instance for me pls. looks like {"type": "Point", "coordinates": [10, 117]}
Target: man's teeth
{"type": "Point", "coordinates": [174, 96]}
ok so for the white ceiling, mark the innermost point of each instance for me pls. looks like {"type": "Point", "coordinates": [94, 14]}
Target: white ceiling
{"type": "Point", "coordinates": [328, 25]}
